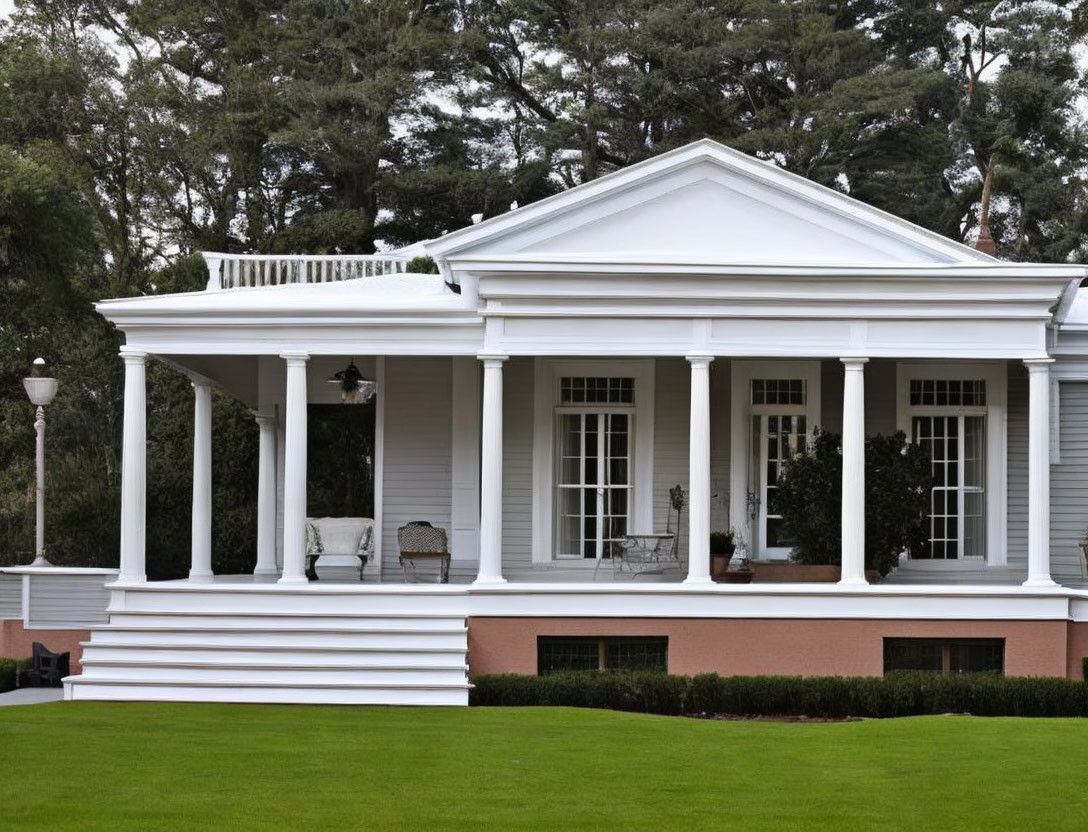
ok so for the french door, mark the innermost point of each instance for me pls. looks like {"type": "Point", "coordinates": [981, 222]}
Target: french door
{"type": "Point", "coordinates": [781, 437]}
{"type": "Point", "coordinates": [594, 481]}
{"type": "Point", "coordinates": [957, 516]}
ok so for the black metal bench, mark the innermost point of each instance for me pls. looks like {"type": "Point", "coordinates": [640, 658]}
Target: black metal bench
{"type": "Point", "coordinates": [47, 668]}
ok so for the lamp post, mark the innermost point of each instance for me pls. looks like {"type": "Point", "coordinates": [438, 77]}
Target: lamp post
{"type": "Point", "coordinates": [41, 390]}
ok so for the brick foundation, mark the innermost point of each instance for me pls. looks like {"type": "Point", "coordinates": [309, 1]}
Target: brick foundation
{"type": "Point", "coordinates": [16, 641]}
{"type": "Point", "coordinates": [806, 647]}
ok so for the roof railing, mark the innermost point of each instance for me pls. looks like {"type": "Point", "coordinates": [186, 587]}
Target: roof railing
{"type": "Point", "coordinates": [241, 271]}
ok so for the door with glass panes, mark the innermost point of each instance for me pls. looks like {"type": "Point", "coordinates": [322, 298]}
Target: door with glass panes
{"type": "Point", "coordinates": [948, 420]}
{"type": "Point", "coordinates": [594, 480]}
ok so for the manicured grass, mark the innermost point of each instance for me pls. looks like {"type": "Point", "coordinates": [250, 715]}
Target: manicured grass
{"type": "Point", "coordinates": [104, 766]}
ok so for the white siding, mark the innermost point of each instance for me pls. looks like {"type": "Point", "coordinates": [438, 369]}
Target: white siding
{"type": "Point", "coordinates": [672, 405]}
{"type": "Point", "coordinates": [517, 463]}
{"type": "Point", "coordinates": [1018, 467]}
{"type": "Point", "coordinates": [74, 601]}
{"type": "Point", "coordinates": [1069, 486]}
{"type": "Point", "coordinates": [11, 596]}
{"type": "Point", "coordinates": [417, 476]}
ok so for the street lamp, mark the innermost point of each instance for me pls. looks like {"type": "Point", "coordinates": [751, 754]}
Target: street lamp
{"type": "Point", "coordinates": [41, 390]}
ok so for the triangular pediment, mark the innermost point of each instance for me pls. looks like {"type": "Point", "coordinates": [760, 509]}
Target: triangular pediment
{"type": "Point", "coordinates": [705, 203]}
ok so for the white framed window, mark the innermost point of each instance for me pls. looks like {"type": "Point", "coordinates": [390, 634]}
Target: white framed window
{"type": "Point", "coordinates": [956, 410]}
{"type": "Point", "coordinates": [592, 456]}
{"type": "Point", "coordinates": [774, 407]}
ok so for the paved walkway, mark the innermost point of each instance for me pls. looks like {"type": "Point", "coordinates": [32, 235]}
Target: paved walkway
{"type": "Point", "coordinates": [31, 696]}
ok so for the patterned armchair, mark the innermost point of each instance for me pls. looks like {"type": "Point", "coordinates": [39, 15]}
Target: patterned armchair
{"type": "Point", "coordinates": [330, 537]}
{"type": "Point", "coordinates": [422, 543]}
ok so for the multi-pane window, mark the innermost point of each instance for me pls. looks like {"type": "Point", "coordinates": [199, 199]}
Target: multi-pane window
{"type": "Point", "coordinates": [562, 653]}
{"type": "Point", "coordinates": [780, 426]}
{"type": "Point", "coordinates": [778, 391]}
{"type": "Point", "coordinates": [596, 390]}
{"type": "Point", "coordinates": [956, 443]}
{"type": "Point", "coordinates": [594, 447]}
{"type": "Point", "coordinates": [966, 655]}
{"type": "Point", "coordinates": [948, 392]}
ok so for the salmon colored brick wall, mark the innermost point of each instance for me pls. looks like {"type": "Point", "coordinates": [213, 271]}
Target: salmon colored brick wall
{"type": "Point", "coordinates": [16, 642]}
{"type": "Point", "coordinates": [1078, 648]}
{"type": "Point", "coordinates": [747, 647]}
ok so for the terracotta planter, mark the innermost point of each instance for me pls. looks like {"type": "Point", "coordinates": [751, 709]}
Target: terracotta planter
{"type": "Point", "coordinates": [737, 576]}
{"type": "Point", "coordinates": [719, 564]}
{"type": "Point", "coordinates": [802, 573]}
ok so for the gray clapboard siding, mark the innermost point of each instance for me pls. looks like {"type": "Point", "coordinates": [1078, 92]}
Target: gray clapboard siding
{"type": "Point", "coordinates": [1069, 486]}
{"type": "Point", "coordinates": [880, 404]}
{"type": "Point", "coordinates": [672, 403]}
{"type": "Point", "coordinates": [74, 601]}
{"type": "Point", "coordinates": [417, 462]}
{"type": "Point", "coordinates": [517, 462]}
{"type": "Point", "coordinates": [1017, 431]}
{"type": "Point", "coordinates": [11, 596]}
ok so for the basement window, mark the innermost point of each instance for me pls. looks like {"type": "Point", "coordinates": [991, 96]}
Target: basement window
{"type": "Point", "coordinates": [556, 654]}
{"type": "Point", "coordinates": [963, 655]}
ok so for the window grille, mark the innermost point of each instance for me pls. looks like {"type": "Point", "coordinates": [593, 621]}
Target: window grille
{"type": "Point", "coordinates": [778, 391]}
{"type": "Point", "coordinates": [965, 655]}
{"type": "Point", "coordinates": [948, 392]}
{"type": "Point", "coordinates": [596, 390]}
{"type": "Point", "coordinates": [556, 654]}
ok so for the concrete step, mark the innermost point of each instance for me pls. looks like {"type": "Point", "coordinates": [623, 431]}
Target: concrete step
{"type": "Point", "coordinates": [309, 638]}
{"type": "Point", "coordinates": [282, 673]}
{"type": "Point", "coordinates": [247, 690]}
{"type": "Point", "coordinates": [99, 652]}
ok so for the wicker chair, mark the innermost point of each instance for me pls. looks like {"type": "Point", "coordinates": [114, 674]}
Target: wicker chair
{"type": "Point", "coordinates": [420, 542]}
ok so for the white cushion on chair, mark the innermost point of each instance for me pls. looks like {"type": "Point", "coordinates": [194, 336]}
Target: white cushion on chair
{"type": "Point", "coordinates": [344, 535]}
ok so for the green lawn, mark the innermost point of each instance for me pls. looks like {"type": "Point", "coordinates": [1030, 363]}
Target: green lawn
{"type": "Point", "coordinates": [105, 766]}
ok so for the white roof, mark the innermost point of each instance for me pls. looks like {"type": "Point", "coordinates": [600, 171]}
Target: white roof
{"type": "Point", "coordinates": [383, 294]}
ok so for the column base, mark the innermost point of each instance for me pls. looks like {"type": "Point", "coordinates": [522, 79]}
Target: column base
{"type": "Point", "coordinates": [698, 581]}
{"type": "Point", "coordinates": [853, 582]}
{"type": "Point", "coordinates": [496, 580]}
{"type": "Point", "coordinates": [40, 561]}
{"type": "Point", "coordinates": [291, 580]}
{"type": "Point", "coordinates": [132, 579]}
{"type": "Point", "coordinates": [1039, 582]}
{"type": "Point", "coordinates": [201, 577]}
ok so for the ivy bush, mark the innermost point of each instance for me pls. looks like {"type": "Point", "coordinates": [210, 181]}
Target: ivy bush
{"type": "Point", "coordinates": [898, 479]}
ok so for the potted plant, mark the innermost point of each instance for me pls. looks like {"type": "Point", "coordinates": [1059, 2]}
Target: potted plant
{"type": "Point", "coordinates": [722, 547]}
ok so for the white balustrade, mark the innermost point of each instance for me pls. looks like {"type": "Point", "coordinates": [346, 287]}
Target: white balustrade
{"type": "Point", "coordinates": [240, 271]}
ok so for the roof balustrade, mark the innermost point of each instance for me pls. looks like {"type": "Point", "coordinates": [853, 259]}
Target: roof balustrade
{"type": "Point", "coordinates": [242, 271]}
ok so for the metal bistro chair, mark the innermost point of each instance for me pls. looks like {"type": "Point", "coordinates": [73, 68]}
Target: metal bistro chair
{"type": "Point", "coordinates": [419, 541]}
{"type": "Point", "coordinates": [649, 554]}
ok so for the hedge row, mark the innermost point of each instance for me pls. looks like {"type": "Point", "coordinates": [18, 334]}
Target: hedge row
{"type": "Point", "coordinates": [898, 694]}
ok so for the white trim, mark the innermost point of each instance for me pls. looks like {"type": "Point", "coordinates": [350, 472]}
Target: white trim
{"type": "Point", "coordinates": [546, 373]}
{"type": "Point", "coordinates": [740, 436]}
{"type": "Point", "coordinates": [1055, 421]}
{"type": "Point", "coordinates": [379, 461]}
{"type": "Point", "coordinates": [996, 376]}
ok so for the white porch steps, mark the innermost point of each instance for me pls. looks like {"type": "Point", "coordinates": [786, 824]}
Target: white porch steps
{"type": "Point", "coordinates": [211, 644]}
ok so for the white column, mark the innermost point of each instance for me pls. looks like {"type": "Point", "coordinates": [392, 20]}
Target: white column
{"type": "Point", "coordinates": [266, 498]}
{"type": "Point", "coordinates": [134, 469]}
{"type": "Point", "coordinates": [490, 570]}
{"type": "Point", "coordinates": [294, 473]}
{"type": "Point", "coordinates": [853, 472]}
{"type": "Point", "coordinates": [201, 569]}
{"type": "Point", "coordinates": [1039, 472]}
{"type": "Point", "coordinates": [699, 472]}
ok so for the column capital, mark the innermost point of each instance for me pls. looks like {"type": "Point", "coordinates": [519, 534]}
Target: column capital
{"type": "Point", "coordinates": [131, 355]}
{"type": "Point", "coordinates": [197, 380]}
{"type": "Point", "coordinates": [854, 363]}
{"type": "Point", "coordinates": [492, 359]}
{"type": "Point", "coordinates": [699, 358]}
{"type": "Point", "coordinates": [1038, 365]}
{"type": "Point", "coordinates": [295, 357]}
{"type": "Point", "coordinates": [264, 419]}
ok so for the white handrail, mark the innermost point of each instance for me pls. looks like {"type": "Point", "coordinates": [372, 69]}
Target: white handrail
{"type": "Point", "coordinates": [239, 271]}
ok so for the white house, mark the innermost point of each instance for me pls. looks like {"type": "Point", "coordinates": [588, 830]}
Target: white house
{"type": "Point", "coordinates": [687, 320]}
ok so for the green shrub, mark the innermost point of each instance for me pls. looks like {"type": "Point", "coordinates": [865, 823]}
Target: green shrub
{"type": "Point", "coordinates": [421, 265]}
{"type": "Point", "coordinates": [898, 694]}
{"type": "Point", "coordinates": [1084, 668]}
{"type": "Point", "coordinates": [8, 670]}
{"type": "Point", "coordinates": [643, 691]}
{"type": "Point", "coordinates": [723, 543]}
{"type": "Point", "coordinates": [897, 482]}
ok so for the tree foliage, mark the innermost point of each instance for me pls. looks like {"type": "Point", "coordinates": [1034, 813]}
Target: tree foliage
{"type": "Point", "coordinates": [897, 486]}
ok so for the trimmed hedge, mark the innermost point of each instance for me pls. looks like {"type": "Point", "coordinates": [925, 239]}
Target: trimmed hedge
{"type": "Point", "coordinates": [1084, 667]}
{"type": "Point", "coordinates": [9, 672]}
{"type": "Point", "coordinates": [898, 694]}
